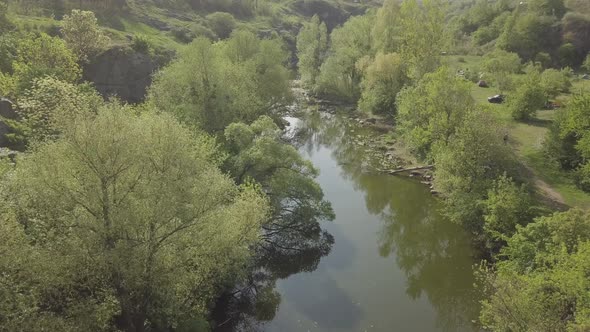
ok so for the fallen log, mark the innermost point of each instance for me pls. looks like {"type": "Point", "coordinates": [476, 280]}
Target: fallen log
{"type": "Point", "coordinates": [409, 169]}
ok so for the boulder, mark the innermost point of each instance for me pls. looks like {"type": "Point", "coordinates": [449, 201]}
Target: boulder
{"type": "Point", "coordinates": [121, 72]}
{"type": "Point", "coordinates": [482, 84]}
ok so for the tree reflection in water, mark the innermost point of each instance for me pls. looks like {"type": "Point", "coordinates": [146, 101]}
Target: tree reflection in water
{"type": "Point", "coordinates": [432, 252]}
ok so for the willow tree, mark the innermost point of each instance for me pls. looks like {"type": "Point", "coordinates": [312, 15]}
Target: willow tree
{"type": "Point", "coordinates": [312, 43]}
{"type": "Point", "coordinates": [138, 228]}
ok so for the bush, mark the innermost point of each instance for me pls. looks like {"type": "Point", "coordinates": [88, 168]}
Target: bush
{"type": "Point", "coordinates": [141, 44]}
{"type": "Point", "coordinates": [222, 24]}
{"type": "Point", "coordinates": [528, 98]}
{"type": "Point", "coordinates": [555, 82]}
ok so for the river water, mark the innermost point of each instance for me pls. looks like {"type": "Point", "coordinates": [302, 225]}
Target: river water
{"type": "Point", "coordinates": [396, 265]}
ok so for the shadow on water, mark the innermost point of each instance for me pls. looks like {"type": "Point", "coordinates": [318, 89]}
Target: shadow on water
{"type": "Point", "coordinates": [433, 254]}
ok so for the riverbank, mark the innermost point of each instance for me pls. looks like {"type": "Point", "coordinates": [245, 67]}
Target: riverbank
{"type": "Point", "coordinates": [374, 134]}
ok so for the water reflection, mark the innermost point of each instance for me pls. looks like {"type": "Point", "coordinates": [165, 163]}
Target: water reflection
{"type": "Point", "coordinates": [430, 250]}
{"type": "Point", "coordinates": [354, 288]}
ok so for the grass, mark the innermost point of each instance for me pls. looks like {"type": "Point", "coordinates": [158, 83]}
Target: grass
{"type": "Point", "coordinates": [527, 137]}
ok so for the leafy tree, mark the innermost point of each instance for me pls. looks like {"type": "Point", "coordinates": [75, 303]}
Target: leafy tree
{"type": "Point", "coordinates": [501, 65]}
{"type": "Point", "coordinates": [83, 35]}
{"type": "Point", "coordinates": [138, 226]}
{"type": "Point", "coordinates": [386, 27]}
{"type": "Point", "coordinates": [51, 105]}
{"type": "Point", "coordinates": [586, 64]}
{"type": "Point", "coordinates": [312, 43]}
{"type": "Point", "coordinates": [423, 35]}
{"type": "Point", "coordinates": [555, 82]}
{"type": "Point", "coordinates": [543, 284]}
{"type": "Point", "coordinates": [431, 111]}
{"type": "Point", "coordinates": [340, 74]}
{"type": "Point", "coordinates": [568, 56]}
{"type": "Point", "coordinates": [467, 166]}
{"type": "Point", "coordinates": [297, 203]}
{"type": "Point", "coordinates": [569, 139]}
{"type": "Point", "coordinates": [527, 98]}
{"type": "Point", "coordinates": [528, 33]}
{"type": "Point", "coordinates": [507, 206]}
{"type": "Point", "coordinates": [5, 24]}
{"type": "Point", "coordinates": [547, 7]}
{"type": "Point", "coordinates": [222, 24]}
{"type": "Point", "coordinates": [40, 56]}
{"type": "Point", "coordinates": [382, 81]}
{"type": "Point", "coordinates": [575, 27]}
{"type": "Point", "coordinates": [213, 85]}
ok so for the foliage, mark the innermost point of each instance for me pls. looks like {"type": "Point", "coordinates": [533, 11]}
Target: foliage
{"type": "Point", "coordinates": [297, 204]}
{"type": "Point", "coordinates": [555, 82]}
{"type": "Point", "coordinates": [5, 24]}
{"type": "Point", "coordinates": [467, 166]}
{"type": "Point", "coordinates": [586, 64]}
{"type": "Point", "coordinates": [130, 223]}
{"type": "Point", "coordinates": [527, 98]}
{"type": "Point", "coordinates": [423, 35]}
{"type": "Point", "coordinates": [386, 27]}
{"type": "Point", "coordinates": [141, 44]}
{"type": "Point", "coordinates": [543, 285]}
{"type": "Point", "coordinates": [501, 65]}
{"type": "Point", "coordinates": [528, 33]}
{"type": "Point", "coordinates": [222, 24]}
{"type": "Point", "coordinates": [507, 206]}
{"type": "Point", "coordinates": [340, 74]}
{"type": "Point", "coordinates": [83, 35]}
{"type": "Point", "coordinates": [213, 85]}
{"type": "Point", "coordinates": [569, 139]}
{"type": "Point", "coordinates": [431, 111]}
{"type": "Point", "coordinates": [382, 81]}
{"type": "Point", "coordinates": [40, 56]}
{"type": "Point", "coordinates": [312, 43]}
{"type": "Point", "coordinates": [51, 105]}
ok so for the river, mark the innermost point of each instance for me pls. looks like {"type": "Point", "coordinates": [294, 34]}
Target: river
{"type": "Point", "coordinates": [395, 265]}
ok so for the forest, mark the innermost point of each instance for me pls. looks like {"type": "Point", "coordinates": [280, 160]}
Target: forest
{"type": "Point", "coordinates": [147, 184]}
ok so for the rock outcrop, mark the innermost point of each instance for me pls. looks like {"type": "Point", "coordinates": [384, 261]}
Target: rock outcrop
{"type": "Point", "coordinates": [122, 72]}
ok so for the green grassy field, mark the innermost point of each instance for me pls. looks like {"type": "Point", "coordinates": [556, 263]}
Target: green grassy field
{"type": "Point", "coordinates": [527, 139]}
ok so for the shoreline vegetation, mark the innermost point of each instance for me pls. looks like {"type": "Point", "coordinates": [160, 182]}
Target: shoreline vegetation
{"type": "Point", "coordinates": [152, 184]}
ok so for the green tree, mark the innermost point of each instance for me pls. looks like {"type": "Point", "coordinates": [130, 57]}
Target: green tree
{"type": "Point", "coordinates": [528, 97]}
{"type": "Point", "coordinates": [138, 225]}
{"type": "Point", "coordinates": [213, 85]}
{"type": "Point", "coordinates": [222, 24]}
{"type": "Point", "coordinates": [83, 35]}
{"type": "Point", "coordinates": [297, 201]}
{"type": "Point", "coordinates": [507, 206]}
{"type": "Point", "coordinates": [340, 74]}
{"type": "Point", "coordinates": [431, 111]}
{"type": "Point", "coordinates": [528, 33]}
{"type": "Point", "coordinates": [51, 105]}
{"type": "Point", "coordinates": [543, 283]}
{"type": "Point", "coordinates": [382, 81]}
{"type": "Point", "coordinates": [586, 64]}
{"type": "Point", "coordinates": [500, 65]}
{"type": "Point", "coordinates": [467, 166]}
{"type": "Point", "coordinates": [423, 35]}
{"type": "Point", "coordinates": [569, 139]}
{"type": "Point", "coordinates": [40, 56]}
{"type": "Point", "coordinates": [385, 31]}
{"type": "Point", "coordinates": [312, 43]}
{"type": "Point", "coordinates": [555, 82]}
